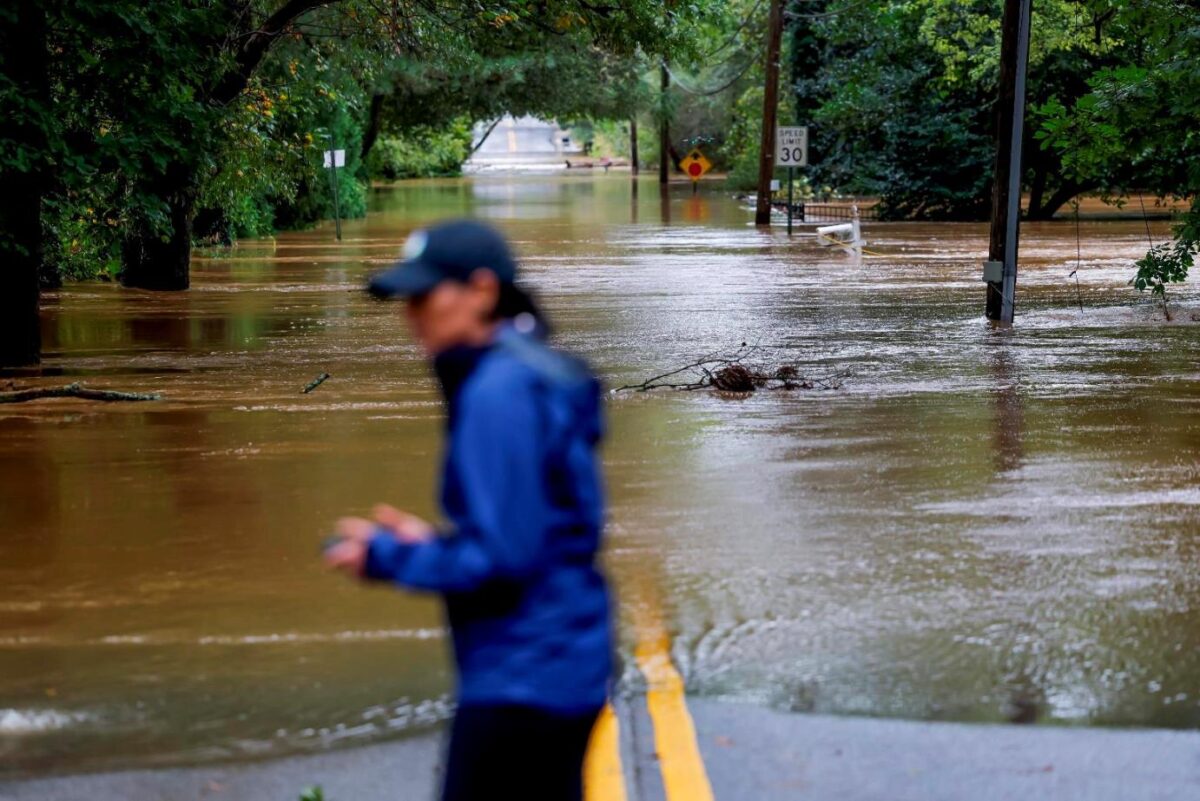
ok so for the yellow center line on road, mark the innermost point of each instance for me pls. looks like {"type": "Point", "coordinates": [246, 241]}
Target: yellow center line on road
{"type": "Point", "coordinates": [603, 778]}
{"type": "Point", "coordinates": [683, 774]}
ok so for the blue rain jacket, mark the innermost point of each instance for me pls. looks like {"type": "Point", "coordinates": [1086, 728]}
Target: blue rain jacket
{"type": "Point", "coordinates": [527, 605]}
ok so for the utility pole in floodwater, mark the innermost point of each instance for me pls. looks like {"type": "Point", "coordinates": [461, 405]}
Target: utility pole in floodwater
{"type": "Point", "coordinates": [1000, 271]}
{"type": "Point", "coordinates": [766, 156]}
{"type": "Point", "coordinates": [664, 130]}
{"type": "Point", "coordinates": [633, 148]}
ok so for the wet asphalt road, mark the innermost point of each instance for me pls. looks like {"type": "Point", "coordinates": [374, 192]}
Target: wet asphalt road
{"type": "Point", "coordinates": [751, 753]}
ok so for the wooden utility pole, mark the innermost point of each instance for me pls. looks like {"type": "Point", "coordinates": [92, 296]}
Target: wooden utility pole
{"type": "Point", "coordinates": [633, 150]}
{"type": "Point", "coordinates": [1000, 273]}
{"type": "Point", "coordinates": [766, 156]}
{"type": "Point", "coordinates": [664, 130]}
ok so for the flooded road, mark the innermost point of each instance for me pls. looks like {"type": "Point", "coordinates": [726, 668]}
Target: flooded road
{"type": "Point", "coordinates": [979, 525]}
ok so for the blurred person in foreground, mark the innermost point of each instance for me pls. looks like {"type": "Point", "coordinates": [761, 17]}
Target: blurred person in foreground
{"type": "Point", "coordinates": [528, 608]}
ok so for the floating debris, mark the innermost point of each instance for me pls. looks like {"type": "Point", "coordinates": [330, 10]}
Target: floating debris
{"type": "Point", "coordinates": [316, 382]}
{"type": "Point", "coordinates": [735, 373]}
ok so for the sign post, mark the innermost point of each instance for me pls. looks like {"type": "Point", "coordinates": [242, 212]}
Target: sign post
{"type": "Point", "coordinates": [791, 151]}
{"type": "Point", "coordinates": [333, 160]}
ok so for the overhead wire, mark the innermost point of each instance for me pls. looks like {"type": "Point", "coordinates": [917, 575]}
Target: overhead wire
{"type": "Point", "coordinates": [1078, 258]}
{"type": "Point", "coordinates": [733, 37]}
{"type": "Point", "coordinates": [728, 41]}
{"type": "Point", "coordinates": [707, 92]}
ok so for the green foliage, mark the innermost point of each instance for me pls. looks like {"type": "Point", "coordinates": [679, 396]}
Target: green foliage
{"type": "Point", "coordinates": [744, 139]}
{"type": "Point", "coordinates": [1134, 126]}
{"type": "Point", "coordinates": [174, 112]}
{"type": "Point", "coordinates": [80, 241]}
{"type": "Point", "coordinates": [611, 138]}
{"type": "Point", "coordinates": [421, 152]}
{"type": "Point", "coordinates": [894, 116]}
{"type": "Point", "coordinates": [902, 99]}
{"type": "Point", "coordinates": [125, 114]}
{"type": "Point", "coordinates": [1164, 264]}
{"type": "Point", "coordinates": [314, 793]}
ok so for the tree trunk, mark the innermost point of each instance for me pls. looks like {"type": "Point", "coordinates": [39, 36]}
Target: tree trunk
{"type": "Point", "coordinates": [1059, 198]}
{"type": "Point", "coordinates": [23, 52]}
{"type": "Point", "coordinates": [374, 124]}
{"type": "Point", "coordinates": [1037, 189]}
{"type": "Point", "coordinates": [160, 260]}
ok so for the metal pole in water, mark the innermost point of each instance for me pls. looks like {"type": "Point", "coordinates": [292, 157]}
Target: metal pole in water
{"type": "Point", "coordinates": [337, 210]}
{"type": "Point", "coordinates": [791, 172]}
{"type": "Point", "coordinates": [1008, 287]}
{"type": "Point", "coordinates": [1000, 272]}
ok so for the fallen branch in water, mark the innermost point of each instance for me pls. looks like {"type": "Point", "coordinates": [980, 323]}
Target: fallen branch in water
{"type": "Point", "coordinates": [733, 373]}
{"type": "Point", "coordinates": [316, 382]}
{"type": "Point", "coordinates": [76, 391]}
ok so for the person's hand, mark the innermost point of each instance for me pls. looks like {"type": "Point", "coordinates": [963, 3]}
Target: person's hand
{"type": "Point", "coordinates": [407, 528]}
{"type": "Point", "coordinates": [350, 555]}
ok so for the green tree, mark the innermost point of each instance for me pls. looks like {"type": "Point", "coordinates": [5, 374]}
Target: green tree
{"type": "Point", "coordinates": [124, 120]}
{"type": "Point", "coordinates": [1137, 127]}
{"type": "Point", "coordinates": [902, 96]}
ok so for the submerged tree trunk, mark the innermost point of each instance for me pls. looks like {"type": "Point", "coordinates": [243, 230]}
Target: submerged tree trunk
{"type": "Point", "coordinates": [1037, 190]}
{"type": "Point", "coordinates": [1061, 196]}
{"type": "Point", "coordinates": [23, 52]}
{"type": "Point", "coordinates": [160, 260]}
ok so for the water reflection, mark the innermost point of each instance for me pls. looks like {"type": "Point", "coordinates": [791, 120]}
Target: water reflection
{"type": "Point", "coordinates": [1009, 413]}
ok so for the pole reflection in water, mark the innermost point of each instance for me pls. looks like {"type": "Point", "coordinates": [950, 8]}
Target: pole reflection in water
{"type": "Point", "coordinates": [633, 200]}
{"type": "Point", "coordinates": [1009, 412]}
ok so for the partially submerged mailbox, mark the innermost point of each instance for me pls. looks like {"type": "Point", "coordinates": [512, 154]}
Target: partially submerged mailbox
{"type": "Point", "coordinates": [846, 234]}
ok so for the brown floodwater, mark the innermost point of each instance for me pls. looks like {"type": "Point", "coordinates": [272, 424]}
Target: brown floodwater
{"type": "Point", "coordinates": [978, 525]}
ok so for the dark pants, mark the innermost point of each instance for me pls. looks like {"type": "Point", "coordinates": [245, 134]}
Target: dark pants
{"type": "Point", "coordinates": [517, 752]}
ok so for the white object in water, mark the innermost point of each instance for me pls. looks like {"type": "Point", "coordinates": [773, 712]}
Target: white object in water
{"type": "Point", "coordinates": [846, 234]}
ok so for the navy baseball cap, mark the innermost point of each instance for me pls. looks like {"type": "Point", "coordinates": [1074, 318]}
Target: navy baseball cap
{"type": "Point", "coordinates": [448, 250]}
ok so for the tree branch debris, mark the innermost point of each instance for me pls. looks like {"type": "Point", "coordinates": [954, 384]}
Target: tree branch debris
{"type": "Point", "coordinates": [738, 372]}
{"type": "Point", "coordinates": [316, 382]}
{"type": "Point", "coordinates": [76, 391]}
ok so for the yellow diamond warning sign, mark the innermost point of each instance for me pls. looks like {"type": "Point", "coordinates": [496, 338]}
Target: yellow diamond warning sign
{"type": "Point", "coordinates": [695, 164]}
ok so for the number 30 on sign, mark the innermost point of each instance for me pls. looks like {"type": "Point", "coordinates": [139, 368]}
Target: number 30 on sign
{"type": "Point", "coordinates": [791, 146]}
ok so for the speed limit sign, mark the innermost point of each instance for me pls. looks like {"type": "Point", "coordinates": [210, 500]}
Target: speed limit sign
{"type": "Point", "coordinates": [791, 146]}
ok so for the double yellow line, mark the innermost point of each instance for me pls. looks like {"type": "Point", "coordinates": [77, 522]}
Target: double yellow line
{"type": "Point", "coordinates": [683, 775]}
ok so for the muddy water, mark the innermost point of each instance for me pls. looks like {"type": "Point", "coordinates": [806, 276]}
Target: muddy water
{"type": "Point", "coordinates": [979, 525]}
